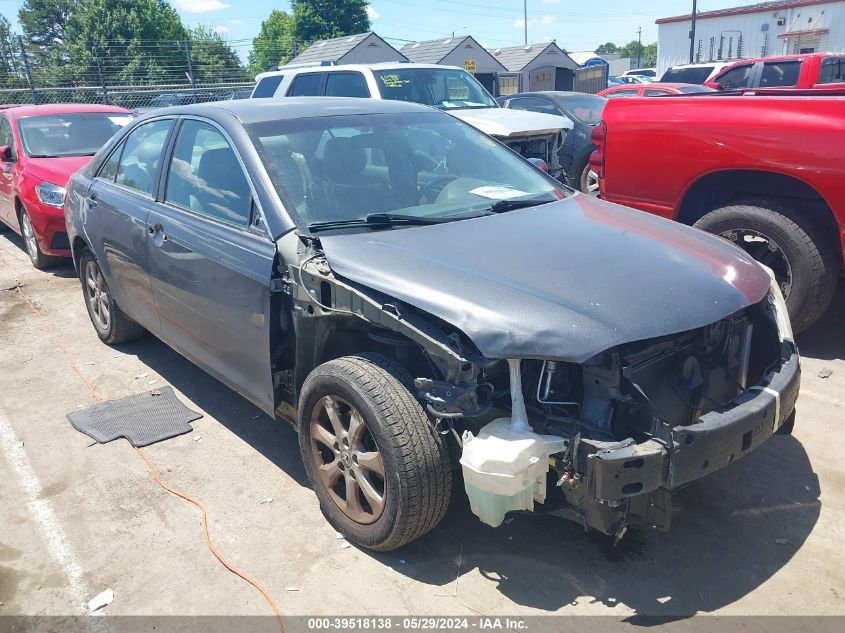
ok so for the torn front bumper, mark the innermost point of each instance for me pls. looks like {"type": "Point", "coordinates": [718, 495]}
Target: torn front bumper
{"type": "Point", "coordinates": [717, 439]}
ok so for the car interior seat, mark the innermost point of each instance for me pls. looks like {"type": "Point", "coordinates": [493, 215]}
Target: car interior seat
{"type": "Point", "coordinates": [354, 193]}
{"type": "Point", "coordinates": [223, 190]}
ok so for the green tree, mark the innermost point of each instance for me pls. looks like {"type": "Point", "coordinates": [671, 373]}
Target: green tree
{"type": "Point", "coordinates": [607, 49]}
{"type": "Point", "coordinates": [135, 41]}
{"type": "Point", "coordinates": [274, 44]}
{"type": "Point", "coordinates": [43, 21]}
{"type": "Point", "coordinates": [211, 57]}
{"type": "Point", "coordinates": [323, 19]}
{"type": "Point", "coordinates": [10, 71]}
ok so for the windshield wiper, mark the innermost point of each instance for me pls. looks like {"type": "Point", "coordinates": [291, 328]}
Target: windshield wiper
{"type": "Point", "coordinates": [508, 205]}
{"type": "Point", "coordinates": [376, 221]}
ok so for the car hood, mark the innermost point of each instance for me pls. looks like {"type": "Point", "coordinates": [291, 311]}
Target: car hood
{"type": "Point", "coordinates": [55, 170]}
{"type": "Point", "coordinates": [505, 123]}
{"type": "Point", "coordinates": [564, 280]}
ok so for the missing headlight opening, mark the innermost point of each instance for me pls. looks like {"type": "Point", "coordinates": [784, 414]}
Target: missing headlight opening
{"type": "Point", "coordinates": [602, 442]}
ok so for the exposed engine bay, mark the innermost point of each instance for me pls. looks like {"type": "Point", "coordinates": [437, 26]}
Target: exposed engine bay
{"type": "Point", "coordinates": [603, 442]}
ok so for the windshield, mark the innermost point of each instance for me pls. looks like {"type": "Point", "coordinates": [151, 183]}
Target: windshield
{"type": "Point", "coordinates": [587, 109]}
{"type": "Point", "coordinates": [688, 75]}
{"type": "Point", "coordinates": [77, 134]}
{"type": "Point", "coordinates": [444, 88]}
{"type": "Point", "coordinates": [420, 164]}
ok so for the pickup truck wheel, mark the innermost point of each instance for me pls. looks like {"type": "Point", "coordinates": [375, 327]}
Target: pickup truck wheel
{"type": "Point", "coordinates": [380, 471]}
{"type": "Point", "coordinates": [793, 247]}
{"type": "Point", "coordinates": [109, 321]}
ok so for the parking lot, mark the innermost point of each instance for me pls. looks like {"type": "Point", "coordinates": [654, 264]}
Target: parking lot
{"type": "Point", "coordinates": [761, 537]}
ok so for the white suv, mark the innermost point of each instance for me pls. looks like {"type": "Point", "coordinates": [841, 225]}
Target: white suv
{"type": "Point", "coordinates": [449, 88]}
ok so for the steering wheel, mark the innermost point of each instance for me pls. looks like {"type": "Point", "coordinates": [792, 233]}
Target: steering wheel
{"type": "Point", "coordinates": [435, 184]}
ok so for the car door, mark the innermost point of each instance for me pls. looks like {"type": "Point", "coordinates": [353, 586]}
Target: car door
{"type": "Point", "coordinates": [210, 262]}
{"type": "Point", "coordinates": [7, 176]}
{"type": "Point", "coordinates": [118, 203]}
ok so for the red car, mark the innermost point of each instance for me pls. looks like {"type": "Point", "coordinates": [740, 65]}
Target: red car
{"type": "Point", "coordinates": [811, 71]}
{"type": "Point", "coordinates": [763, 169]}
{"type": "Point", "coordinates": [653, 90]}
{"type": "Point", "coordinates": [40, 147]}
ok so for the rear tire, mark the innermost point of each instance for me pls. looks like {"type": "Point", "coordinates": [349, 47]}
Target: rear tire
{"type": "Point", "coordinates": [588, 180]}
{"type": "Point", "coordinates": [30, 241]}
{"type": "Point", "coordinates": [803, 259]}
{"type": "Point", "coordinates": [109, 321]}
{"type": "Point", "coordinates": [375, 417]}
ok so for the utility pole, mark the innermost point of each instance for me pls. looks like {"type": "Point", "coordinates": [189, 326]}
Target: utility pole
{"type": "Point", "coordinates": [692, 33]}
{"type": "Point", "coordinates": [525, 19]}
{"type": "Point", "coordinates": [639, 46]}
{"type": "Point", "coordinates": [190, 68]}
{"type": "Point", "coordinates": [28, 72]}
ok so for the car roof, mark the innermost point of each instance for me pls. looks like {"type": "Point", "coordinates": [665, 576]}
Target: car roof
{"type": "Point", "coordinates": [359, 67]}
{"type": "Point", "coordinates": [63, 108]}
{"type": "Point", "coordinates": [260, 110]}
{"type": "Point", "coordinates": [704, 64]}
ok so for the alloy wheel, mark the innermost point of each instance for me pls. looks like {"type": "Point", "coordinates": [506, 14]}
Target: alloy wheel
{"type": "Point", "coordinates": [29, 237]}
{"type": "Point", "coordinates": [590, 181]}
{"type": "Point", "coordinates": [348, 461]}
{"type": "Point", "coordinates": [97, 295]}
{"type": "Point", "coordinates": [765, 250]}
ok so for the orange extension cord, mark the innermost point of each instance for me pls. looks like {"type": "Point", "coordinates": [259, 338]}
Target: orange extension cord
{"type": "Point", "coordinates": [58, 342]}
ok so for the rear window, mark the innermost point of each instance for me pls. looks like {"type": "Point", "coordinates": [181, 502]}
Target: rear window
{"type": "Point", "coordinates": [689, 90]}
{"type": "Point", "coordinates": [689, 75]}
{"type": "Point", "coordinates": [347, 85]}
{"type": "Point", "coordinates": [782, 73]}
{"type": "Point", "coordinates": [832, 70]}
{"type": "Point", "coordinates": [309, 85]}
{"type": "Point", "coordinates": [267, 87]}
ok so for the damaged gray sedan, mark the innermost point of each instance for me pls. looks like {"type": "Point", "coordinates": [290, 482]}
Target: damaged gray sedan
{"type": "Point", "coordinates": [417, 299]}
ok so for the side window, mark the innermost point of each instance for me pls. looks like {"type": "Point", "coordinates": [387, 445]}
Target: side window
{"type": "Point", "coordinates": [655, 92]}
{"type": "Point", "coordinates": [141, 155]}
{"type": "Point", "coordinates": [206, 177]}
{"type": "Point", "coordinates": [6, 137]}
{"type": "Point", "coordinates": [267, 87]}
{"type": "Point", "coordinates": [533, 105]}
{"type": "Point", "coordinates": [783, 73]}
{"type": "Point", "coordinates": [307, 85]}
{"type": "Point", "coordinates": [831, 72]}
{"type": "Point", "coordinates": [622, 93]}
{"type": "Point", "coordinates": [108, 170]}
{"type": "Point", "coordinates": [736, 77]}
{"type": "Point", "coordinates": [347, 85]}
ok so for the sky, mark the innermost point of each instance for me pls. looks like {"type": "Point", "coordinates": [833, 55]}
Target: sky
{"type": "Point", "coordinates": [576, 25]}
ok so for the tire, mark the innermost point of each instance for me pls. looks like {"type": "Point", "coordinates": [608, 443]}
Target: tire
{"type": "Point", "coordinates": [30, 242]}
{"type": "Point", "coordinates": [109, 321]}
{"type": "Point", "coordinates": [417, 479]}
{"type": "Point", "coordinates": [799, 244]}
{"type": "Point", "coordinates": [587, 183]}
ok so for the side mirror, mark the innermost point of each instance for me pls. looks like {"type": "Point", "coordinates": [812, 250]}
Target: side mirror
{"type": "Point", "coordinates": [6, 154]}
{"type": "Point", "coordinates": [540, 164]}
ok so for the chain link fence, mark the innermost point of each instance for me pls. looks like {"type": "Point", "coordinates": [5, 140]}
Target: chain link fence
{"type": "Point", "coordinates": [137, 76]}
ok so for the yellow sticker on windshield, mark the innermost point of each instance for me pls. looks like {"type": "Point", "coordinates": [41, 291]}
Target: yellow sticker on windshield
{"type": "Point", "coordinates": [394, 81]}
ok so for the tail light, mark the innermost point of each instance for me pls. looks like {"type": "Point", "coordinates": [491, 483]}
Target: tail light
{"type": "Point", "coordinates": [598, 137]}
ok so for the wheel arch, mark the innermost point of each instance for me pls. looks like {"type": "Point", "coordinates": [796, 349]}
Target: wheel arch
{"type": "Point", "coordinates": [724, 187]}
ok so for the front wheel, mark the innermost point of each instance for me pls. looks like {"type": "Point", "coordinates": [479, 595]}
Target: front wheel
{"type": "Point", "coordinates": [588, 181]}
{"type": "Point", "coordinates": [39, 259]}
{"type": "Point", "coordinates": [111, 324]}
{"type": "Point", "coordinates": [804, 263]}
{"type": "Point", "coordinates": [379, 469]}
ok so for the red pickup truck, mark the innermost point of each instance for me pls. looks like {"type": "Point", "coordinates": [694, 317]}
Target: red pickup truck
{"type": "Point", "coordinates": [764, 171]}
{"type": "Point", "coordinates": [816, 71]}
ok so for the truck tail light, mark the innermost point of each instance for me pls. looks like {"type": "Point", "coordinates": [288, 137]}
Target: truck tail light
{"type": "Point", "coordinates": [598, 137]}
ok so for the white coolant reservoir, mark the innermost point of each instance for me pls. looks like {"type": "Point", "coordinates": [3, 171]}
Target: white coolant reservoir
{"type": "Point", "coordinates": [505, 465]}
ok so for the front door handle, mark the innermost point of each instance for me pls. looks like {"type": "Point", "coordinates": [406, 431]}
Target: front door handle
{"type": "Point", "coordinates": [157, 231]}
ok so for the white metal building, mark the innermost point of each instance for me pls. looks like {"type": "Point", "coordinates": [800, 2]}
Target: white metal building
{"type": "Point", "coordinates": [782, 27]}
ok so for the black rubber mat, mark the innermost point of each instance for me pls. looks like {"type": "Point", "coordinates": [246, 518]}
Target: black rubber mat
{"type": "Point", "coordinates": [143, 419]}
